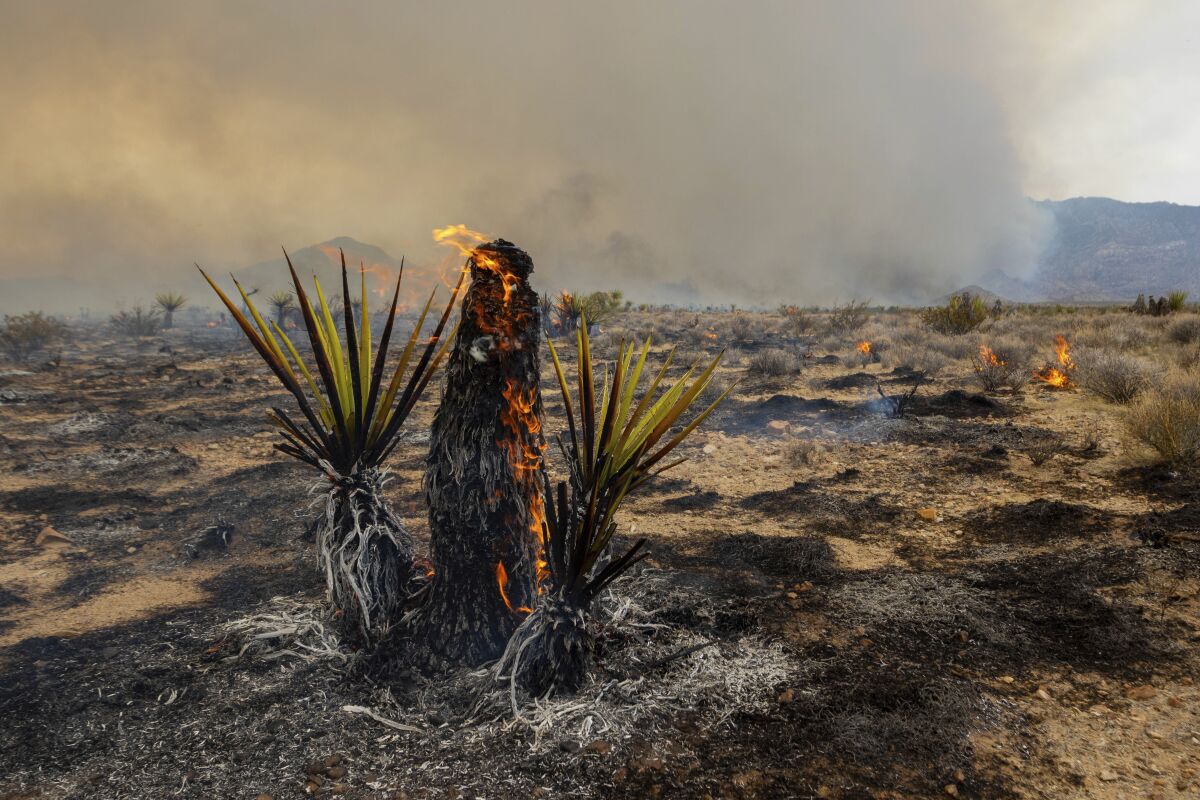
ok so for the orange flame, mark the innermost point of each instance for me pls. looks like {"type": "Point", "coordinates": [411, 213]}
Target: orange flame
{"type": "Point", "coordinates": [863, 347]}
{"type": "Point", "coordinates": [988, 358]}
{"type": "Point", "coordinates": [1052, 376]}
{"type": "Point", "coordinates": [466, 242]}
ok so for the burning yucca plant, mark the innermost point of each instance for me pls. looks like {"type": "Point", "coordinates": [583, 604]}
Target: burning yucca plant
{"type": "Point", "coordinates": [350, 421]}
{"type": "Point", "coordinates": [616, 443]}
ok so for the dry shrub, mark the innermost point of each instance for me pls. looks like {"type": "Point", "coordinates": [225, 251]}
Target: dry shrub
{"type": "Point", "coordinates": [741, 328]}
{"type": "Point", "coordinates": [961, 314]}
{"type": "Point", "coordinates": [1116, 377]}
{"type": "Point", "coordinates": [1166, 418]}
{"type": "Point", "coordinates": [1185, 330]}
{"type": "Point", "coordinates": [1003, 365]}
{"type": "Point", "coordinates": [25, 335]}
{"type": "Point", "coordinates": [919, 357]}
{"type": "Point", "coordinates": [848, 318]}
{"type": "Point", "coordinates": [803, 453]}
{"type": "Point", "coordinates": [773, 363]}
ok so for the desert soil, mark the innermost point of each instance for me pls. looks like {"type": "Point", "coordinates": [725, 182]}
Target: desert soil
{"type": "Point", "coordinates": [962, 622]}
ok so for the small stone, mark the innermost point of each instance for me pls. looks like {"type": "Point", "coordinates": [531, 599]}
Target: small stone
{"type": "Point", "coordinates": [336, 773]}
{"type": "Point", "coordinates": [929, 514]}
{"type": "Point", "coordinates": [131, 549]}
{"type": "Point", "coordinates": [1144, 692]}
{"type": "Point", "coordinates": [598, 748]}
{"type": "Point", "coordinates": [786, 696]}
{"type": "Point", "coordinates": [778, 426]}
{"type": "Point", "coordinates": [1008, 679]}
{"type": "Point", "coordinates": [315, 768]}
{"type": "Point", "coordinates": [803, 587]}
{"type": "Point", "coordinates": [332, 761]}
{"type": "Point", "coordinates": [1042, 694]}
{"type": "Point", "coordinates": [1186, 680]}
{"type": "Point", "coordinates": [959, 776]}
{"type": "Point", "coordinates": [49, 536]}
{"type": "Point", "coordinates": [792, 595]}
{"type": "Point", "coordinates": [1108, 775]}
{"type": "Point", "coordinates": [950, 789]}
{"type": "Point", "coordinates": [339, 788]}
{"type": "Point", "coordinates": [1174, 702]}
{"type": "Point", "coordinates": [709, 449]}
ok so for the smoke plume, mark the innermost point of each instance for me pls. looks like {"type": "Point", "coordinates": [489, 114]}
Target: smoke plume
{"type": "Point", "coordinates": [681, 151]}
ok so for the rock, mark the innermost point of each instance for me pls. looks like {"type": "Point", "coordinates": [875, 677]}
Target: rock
{"type": "Point", "coordinates": [1144, 692]}
{"type": "Point", "coordinates": [709, 449]}
{"type": "Point", "coordinates": [1042, 694]}
{"type": "Point", "coordinates": [786, 696]}
{"type": "Point", "coordinates": [929, 514]}
{"type": "Point", "coordinates": [1108, 775]}
{"type": "Point", "coordinates": [778, 426]}
{"type": "Point", "coordinates": [598, 748]}
{"type": "Point", "coordinates": [48, 536]}
{"type": "Point", "coordinates": [1009, 679]}
{"type": "Point", "coordinates": [950, 789]}
{"type": "Point", "coordinates": [1174, 702]}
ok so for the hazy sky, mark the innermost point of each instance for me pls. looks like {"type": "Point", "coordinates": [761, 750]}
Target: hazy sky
{"type": "Point", "coordinates": [750, 151]}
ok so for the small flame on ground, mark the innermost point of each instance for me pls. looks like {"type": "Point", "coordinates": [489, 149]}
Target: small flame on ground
{"type": "Point", "coordinates": [1053, 376]}
{"type": "Point", "coordinates": [863, 347]}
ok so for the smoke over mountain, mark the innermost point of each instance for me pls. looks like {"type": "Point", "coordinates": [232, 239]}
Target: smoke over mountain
{"type": "Point", "coordinates": [681, 151]}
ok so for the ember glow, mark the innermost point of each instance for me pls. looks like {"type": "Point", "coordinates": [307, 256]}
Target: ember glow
{"type": "Point", "coordinates": [1058, 377]}
{"type": "Point", "coordinates": [863, 347]}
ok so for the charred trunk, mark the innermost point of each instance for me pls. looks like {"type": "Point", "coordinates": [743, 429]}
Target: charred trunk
{"type": "Point", "coordinates": [481, 479]}
{"type": "Point", "coordinates": [366, 555]}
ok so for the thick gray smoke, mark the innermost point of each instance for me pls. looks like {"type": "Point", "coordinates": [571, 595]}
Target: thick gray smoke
{"type": "Point", "coordinates": [688, 151]}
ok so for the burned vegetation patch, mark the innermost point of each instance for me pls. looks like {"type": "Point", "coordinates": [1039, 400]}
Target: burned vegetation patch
{"type": "Point", "coordinates": [957, 404]}
{"type": "Point", "coordinates": [753, 416]}
{"type": "Point", "coordinates": [845, 514]}
{"type": "Point", "coordinates": [1072, 608]}
{"type": "Point", "coordinates": [778, 558]}
{"type": "Point", "coordinates": [1037, 522]}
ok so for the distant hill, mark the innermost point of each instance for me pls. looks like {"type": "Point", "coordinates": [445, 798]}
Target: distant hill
{"type": "Point", "coordinates": [1105, 249]}
{"type": "Point", "coordinates": [323, 261]}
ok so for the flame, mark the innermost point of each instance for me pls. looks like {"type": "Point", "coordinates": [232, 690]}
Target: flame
{"type": "Point", "coordinates": [711, 336]}
{"type": "Point", "coordinates": [1063, 350]}
{"type": "Point", "coordinates": [988, 358]}
{"type": "Point", "coordinates": [1053, 376]}
{"type": "Point", "coordinates": [502, 583]}
{"type": "Point", "coordinates": [466, 242]}
{"type": "Point", "coordinates": [863, 347]}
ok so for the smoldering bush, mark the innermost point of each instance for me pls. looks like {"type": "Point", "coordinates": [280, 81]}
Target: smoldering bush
{"type": "Point", "coordinates": [1003, 364]}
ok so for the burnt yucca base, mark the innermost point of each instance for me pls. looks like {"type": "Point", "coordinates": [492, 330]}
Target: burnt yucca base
{"type": "Point", "coordinates": [350, 422]}
{"type": "Point", "coordinates": [485, 453]}
{"type": "Point", "coordinates": [614, 446]}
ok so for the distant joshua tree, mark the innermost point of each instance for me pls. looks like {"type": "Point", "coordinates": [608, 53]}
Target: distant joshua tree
{"type": "Point", "coordinates": [170, 302]}
{"type": "Point", "coordinates": [282, 302]}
